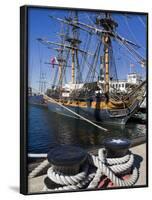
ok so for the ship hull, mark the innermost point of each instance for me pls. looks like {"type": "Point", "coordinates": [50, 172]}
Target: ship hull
{"type": "Point", "coordinates": [116, 116]}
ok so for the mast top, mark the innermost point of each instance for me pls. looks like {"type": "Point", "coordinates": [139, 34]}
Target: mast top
{"type": "Point", "coordinates": [61, 60]}
{"type": "Point", "coordinates": [107, 22]}
{"type": "Point", "coordinates": [73, 41]}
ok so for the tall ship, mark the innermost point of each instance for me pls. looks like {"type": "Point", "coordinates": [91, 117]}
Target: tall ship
{"type": "Point", "coordinates": [83, 78]}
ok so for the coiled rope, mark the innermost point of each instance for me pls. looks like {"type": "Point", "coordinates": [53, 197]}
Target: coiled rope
{"type": "Point", "coordinates": [92, 172]}
{"type": "Point", "coordinates": [113, 167]}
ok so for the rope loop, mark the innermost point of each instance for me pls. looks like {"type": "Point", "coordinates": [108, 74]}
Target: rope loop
{"type": "Point", "coordinates": [67, 180]}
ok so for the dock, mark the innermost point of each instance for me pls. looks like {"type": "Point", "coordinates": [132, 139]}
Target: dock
{"type": "Point", "coordinates": [36, 184]}
{"type": "Point", "coordinates": [141, 163]}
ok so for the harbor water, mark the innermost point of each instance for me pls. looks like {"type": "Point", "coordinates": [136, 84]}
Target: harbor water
{"type": "Point", "coordinates": [46, 129]}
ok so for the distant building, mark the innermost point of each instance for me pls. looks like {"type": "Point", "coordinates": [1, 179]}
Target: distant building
{"type": "Point", "coordinates": [133, 79]}
{"type": "Point", "coordinates": [118, 85]}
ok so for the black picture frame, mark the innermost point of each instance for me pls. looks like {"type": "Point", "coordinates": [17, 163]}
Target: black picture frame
{"type": "Point", "coordinates": [24, 96]}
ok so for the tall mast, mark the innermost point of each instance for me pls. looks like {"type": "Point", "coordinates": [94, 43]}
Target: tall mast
{"type": "Point", "coordinates": [74, 42]}
{"type": "Point", "coordinates": [106, 41]}
{"type": "Point", "coordinates": [62, 63]}
{"type": "Point", "coordinates": [108, 25]}
{"type": "Point", "coordinates": [73, 66]}
{"type": "Point", "coordinates": [60, 58]}
{"type": "Point", "coordinates": [60, 74]}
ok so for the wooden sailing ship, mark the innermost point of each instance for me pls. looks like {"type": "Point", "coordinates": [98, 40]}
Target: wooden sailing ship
{"type": "Point", "coordinates": [92, 97]}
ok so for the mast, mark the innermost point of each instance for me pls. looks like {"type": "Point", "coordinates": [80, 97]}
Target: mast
{"type": "Point", "coordinates": [60, 73]}
{"type": "Point", "coordinates": [106, 41]}
{"type": "Point", "coordinates": [73, 66]}
{"type": "Point", "coordinates": [60, 58]}
{"type": "Point", "coordinates": [61, 62]}
{"type": "Point", "coordinates": [101, 77]}
{"type": "Point", "coordinates": [74, 42]}
{"type": "Point", "coordinates": [108, 25]}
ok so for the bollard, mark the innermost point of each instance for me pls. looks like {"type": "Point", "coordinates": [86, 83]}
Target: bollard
{"type": "Point", "coordinates": [50, 184]}
{"type": "Point", "coordinates": [116, 147]}
{"type": "Point", "coordinates": [66, 160]}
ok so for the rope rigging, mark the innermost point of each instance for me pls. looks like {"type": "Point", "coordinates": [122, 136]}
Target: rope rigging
{"type": "Point", "coordinates": [131, 32]}
{"type": "Point", "coordinates": [131, 50]}
{"type": "Point", "coordinates": [93, 65]}
{"type": "Point", "coordinates": [119, 38]}
{"type": "Point", "coordinates": [141, 21]}
{"type": "Point", "coordinates": [113, 70]}
{"type": "Point", "coordinates": [86, 47]}
{"type": "Point", "coordinates": [55, 76]}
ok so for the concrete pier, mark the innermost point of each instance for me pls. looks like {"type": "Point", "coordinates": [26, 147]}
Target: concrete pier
{"type": "Point", "coordinates": [140, 162]}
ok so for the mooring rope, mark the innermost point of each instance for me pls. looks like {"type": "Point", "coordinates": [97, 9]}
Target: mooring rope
{"type": "Point", "coordinates": [89, 178]}
{"type": "Point", "coordinates": [79, 185]}
{"type": "Point", "coordinates": [67, 180]}
{"type": "Point", "coordinates": [111, 171]}
{"type": "Point", "coordinates": [38, 169]}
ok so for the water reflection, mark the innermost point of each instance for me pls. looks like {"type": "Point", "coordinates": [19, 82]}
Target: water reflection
{"type": "Point", "coordinates": [46, 128]}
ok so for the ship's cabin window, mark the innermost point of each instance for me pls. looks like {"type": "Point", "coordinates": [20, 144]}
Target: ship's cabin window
{"type": "Point", "coordinates": [116, 85]}
{"type": "Point", "coordinates": [123, 85]}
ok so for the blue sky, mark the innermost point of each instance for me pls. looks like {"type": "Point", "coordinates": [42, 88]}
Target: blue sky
{"type": "Point", "coordinates": [132, 27]}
